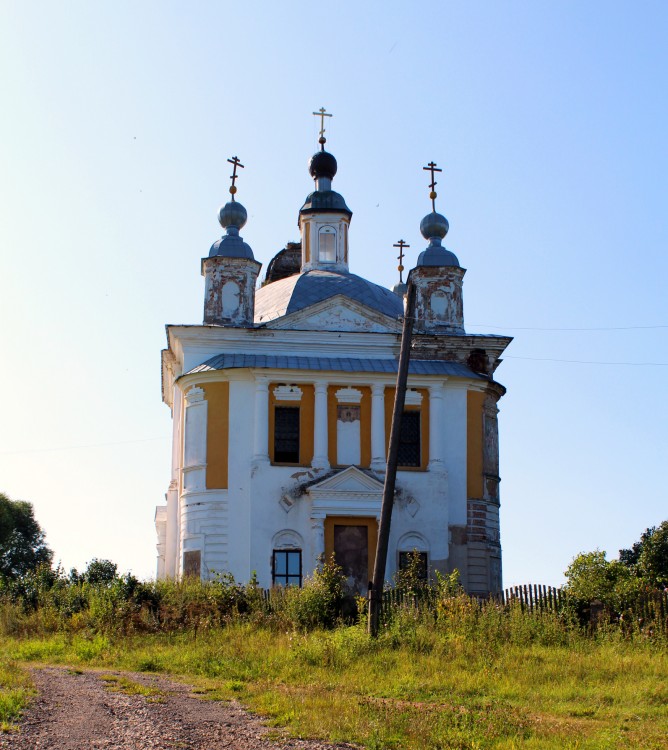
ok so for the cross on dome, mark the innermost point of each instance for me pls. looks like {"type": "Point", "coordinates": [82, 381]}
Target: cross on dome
{"type": "Point", "coordinates": [401, 245]}
{"type": "Point", "coordinates": [431, 167]}
{"type": "Point", "coordinates": [322, 113]}
{"type": "Point", "coordinates": [234, 161]}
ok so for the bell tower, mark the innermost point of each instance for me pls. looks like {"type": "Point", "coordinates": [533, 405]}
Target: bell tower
{"type": "Point", "coordinates": [324, 218]}
{"type": "Point", "coordinates": [438, 277]}
{"type": "Point", "coordinates": [230, 271]}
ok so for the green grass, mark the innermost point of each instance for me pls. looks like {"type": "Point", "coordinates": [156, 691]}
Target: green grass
{"type": "Point", "coordinates": [415, 687]}
{"type": "Point", "coordinates": [15, 692]}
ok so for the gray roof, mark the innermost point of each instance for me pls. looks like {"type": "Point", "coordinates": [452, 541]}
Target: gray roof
{"type": "Point", "coordinates": [334, 364]}
{"type": "Point", "coordinates": [298, 292]}
{"type": "Point", "coordinates": [325, 201]}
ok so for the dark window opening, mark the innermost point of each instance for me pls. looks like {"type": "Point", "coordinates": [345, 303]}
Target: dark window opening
{"type": "Point", "coordinates": [286, 567]}
{"type": "Point", "coordinates": [405, 563]}
{"type": "Point", "coordinates": [192, 564]}
{"type": "Point", "coordinates": [409, 440]}
{"type": "Point", "coordinates": [286, 435]}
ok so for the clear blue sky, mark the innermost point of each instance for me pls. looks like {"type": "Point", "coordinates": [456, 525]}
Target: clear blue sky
{"type": "Point", "coordinates": [549, 120]}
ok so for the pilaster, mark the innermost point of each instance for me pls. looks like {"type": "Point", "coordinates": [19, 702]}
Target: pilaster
{"type": "Point", "coordinates": [194, 442]}
{"type": "Point", "coordinates": [261, 431]}
{"type": "Point", "coordinates": [320, 459]}
{"type": "Point", "coordinates": [378, 461]}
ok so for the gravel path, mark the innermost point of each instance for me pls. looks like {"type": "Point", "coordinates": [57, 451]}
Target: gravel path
{"type": "Point", "coordinates": [79, 712]}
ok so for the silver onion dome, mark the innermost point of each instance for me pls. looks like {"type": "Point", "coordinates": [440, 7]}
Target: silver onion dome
{"type": "Point", "coordinates": [232, 214]}
{"type": "Point", "coordinates": [434, 225]}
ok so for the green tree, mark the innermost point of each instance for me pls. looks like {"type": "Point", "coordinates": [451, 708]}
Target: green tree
{"type": "Point", "coordinates": [591, 577]}
{"type": "Point", "coordinates": [648, 558]}
{"type": "Point", "coordinates": [22, 542]}
{"type": "Point", "coordinates": [101, 572]}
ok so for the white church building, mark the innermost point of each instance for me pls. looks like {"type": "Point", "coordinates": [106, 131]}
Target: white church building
{"type": "Point", "coordinates": [281, 403]}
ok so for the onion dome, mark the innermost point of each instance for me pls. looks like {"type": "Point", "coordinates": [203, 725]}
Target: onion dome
{"type": "Point", "coordinates": [322, 167]}
{"type": "Point", "coordinates": [232, 217]}
{"type": "Point", "coordinates": [400, 288]}
{"type": "Point", "coordinates": [434, 227]}
{"type": "Point", "coordinates": [232, 214]}
{"type": "Point", "coordinates": [322, 164]}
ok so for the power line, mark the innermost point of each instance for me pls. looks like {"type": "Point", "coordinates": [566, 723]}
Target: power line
{"type": "Point", "coordinates": [588, 361]}
{"type": "Point", "coordinates": [534, 328]}
{"type": "Point", "coordinates": [79, 447]}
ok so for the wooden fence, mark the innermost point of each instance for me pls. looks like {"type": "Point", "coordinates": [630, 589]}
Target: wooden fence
{"type": "Point", "coordinates": [649, 609]}
{"type": "Point", "coordinates": [532, 597]}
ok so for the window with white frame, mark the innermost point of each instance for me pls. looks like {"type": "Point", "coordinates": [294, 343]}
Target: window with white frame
{"type": "Point", "coordinates": [327, 244]}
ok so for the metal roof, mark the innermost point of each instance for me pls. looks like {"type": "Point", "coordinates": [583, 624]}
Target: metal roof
{"type": "Point", "coordinates": [298, 292]}
{"type": "Point", "coordinates": [333, 364]}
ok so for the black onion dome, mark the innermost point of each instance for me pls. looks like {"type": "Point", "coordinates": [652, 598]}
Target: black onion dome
{"type": "Point", "coordinates": [322, 164]}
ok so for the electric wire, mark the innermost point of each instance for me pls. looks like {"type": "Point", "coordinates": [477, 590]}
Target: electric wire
{"type": "Point", "coordinates": [587, 361]}
{"type": "Point", "coordinates": [79, 447]}
{"type": "Point", "coordinates": [536, 328]}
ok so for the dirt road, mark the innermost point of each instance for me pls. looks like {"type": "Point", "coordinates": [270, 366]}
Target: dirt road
{"type": "Point", "coordinates": [89, 711]}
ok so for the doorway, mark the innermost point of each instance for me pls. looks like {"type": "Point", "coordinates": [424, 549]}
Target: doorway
{"type": "Point", "coordinates": [352, 541]}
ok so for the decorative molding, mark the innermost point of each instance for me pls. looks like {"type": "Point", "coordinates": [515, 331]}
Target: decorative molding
{"type": "Point", "coordinates": [413, 398]}
{"type": "Point", "coordinates": [347, 414]}
{"type": "Point", "coordinates": [287, 500]}
{"type": "Point", "coordinates": [404, 500]}
{"type": "Point", "coordinates": [194, 396]}
{"type": "Point", "coordinates": [288, 393]}
{"type": "Point", "coordinates": [286, 539]}
{"type": "Point", "coordinates": [412, 540]}
{"type": "Point", "coordinates": [348, 396]}
{"type": "Point", "coordinates": [337, 314]}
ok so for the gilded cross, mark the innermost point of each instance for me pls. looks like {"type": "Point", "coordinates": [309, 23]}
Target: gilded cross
{"type": "Point", "coordinates": [322, 113]}
{"type": "Point", "coordinates": [401, 245]}
{"type": "Point", "coordinates": [431, 167]}
{"type": "Point", "coordinates": [236, 163]}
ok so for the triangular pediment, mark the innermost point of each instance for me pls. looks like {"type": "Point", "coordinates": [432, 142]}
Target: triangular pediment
{"type": "Point", "coordinates": [350, 481]}
{"type": "Point", "coordinates": [338, 313]}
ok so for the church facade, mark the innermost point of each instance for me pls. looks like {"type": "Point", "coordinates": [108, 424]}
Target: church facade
{"type": "Point", "coordinates": [282, 400]}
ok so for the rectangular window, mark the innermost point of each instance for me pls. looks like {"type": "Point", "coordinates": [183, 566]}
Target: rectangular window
{"type": "Point", "coordinates": [286, 567]}
{"type": "Point", "coordinates": [327, 243]}
{"type": "Point", "coordinates": [286, 434]}
{"type": "Point", "coordinates": [192, 564]}
{"type": "Point", "coordinates": [409, 439]}
{"type": "Point", "coordinates": [405, 560]}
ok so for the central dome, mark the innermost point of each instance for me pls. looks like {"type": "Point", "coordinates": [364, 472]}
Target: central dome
{"type": "Point", "coordinates": [303, 290]}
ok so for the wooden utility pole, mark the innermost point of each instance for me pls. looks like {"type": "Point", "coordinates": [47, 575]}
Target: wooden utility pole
{"type": "Point", "coordinates": [376, 587]}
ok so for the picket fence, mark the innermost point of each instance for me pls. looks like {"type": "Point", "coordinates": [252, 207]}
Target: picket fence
{"type": "Point", "coordinates": [651, 608]}
{"type": "Point", "coordinates": [532, 597]}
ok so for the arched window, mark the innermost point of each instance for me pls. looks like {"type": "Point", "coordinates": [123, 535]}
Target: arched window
{"type": "Point", "coordinates": [286, 559]}
{"type": "Point", "coordinates": [327, 244]}
{"type": "Point", "coordinates": [409, 545]}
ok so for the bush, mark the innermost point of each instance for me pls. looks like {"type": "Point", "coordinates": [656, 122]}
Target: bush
{"type": "Point", "coordinates": [319, 602]}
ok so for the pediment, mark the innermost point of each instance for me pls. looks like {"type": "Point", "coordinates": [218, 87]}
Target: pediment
{"type": "Point", "coordinates": [338, 313]}
{"type": "Point", "coordinates": [350, 481]}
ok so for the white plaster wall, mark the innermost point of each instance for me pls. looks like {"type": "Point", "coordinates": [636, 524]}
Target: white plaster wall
{"type": "Point", "coordinates": [455, 412]}
{"type": "Point", "coordinates": [430, 520]}
{"type": "Point", "coordinates": [241, 421]}
{"type": "Point", "coordinates": [348, 442]}
{"type": "Point", "coordinates": [204, 527]}
{"type": "Point", "coordinates": [238, 525]}
{"type": "Point", "coordinates": [268, 517]}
